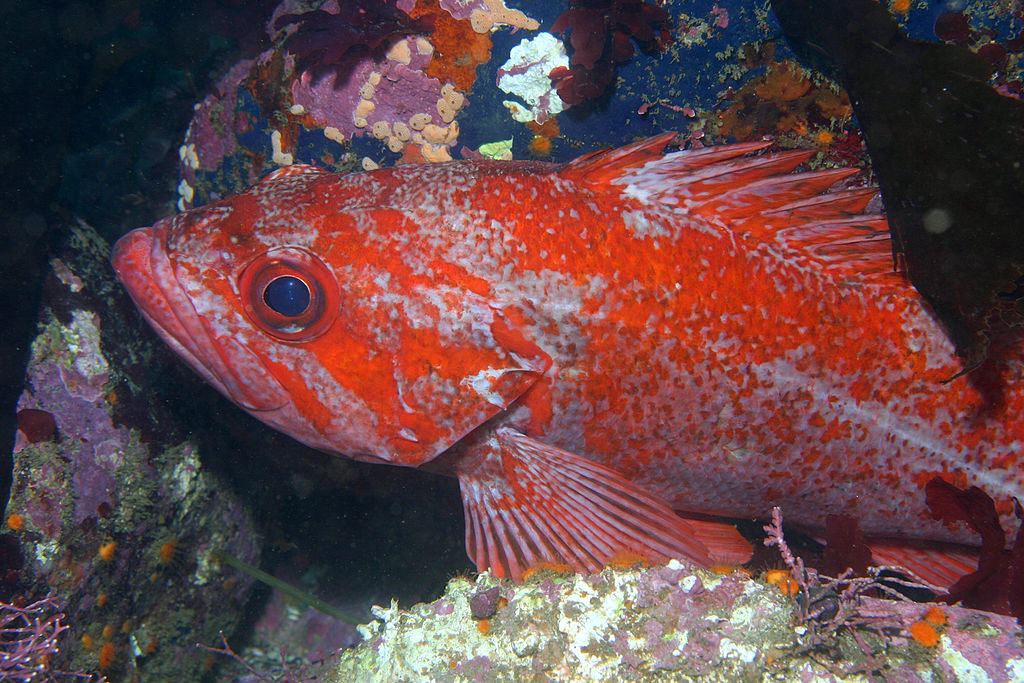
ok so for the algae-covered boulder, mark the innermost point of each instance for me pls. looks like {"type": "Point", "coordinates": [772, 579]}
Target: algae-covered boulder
{"type": "Point", "coordinates": [671, 623]}
{"type": "Point", "coordinates": [112, 509]}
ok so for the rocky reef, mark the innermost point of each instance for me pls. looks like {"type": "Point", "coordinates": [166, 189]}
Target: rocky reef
{"type": "Point", "coordinates": [673, 623]}
{"type": "Point", "coordinates": [111, 510]}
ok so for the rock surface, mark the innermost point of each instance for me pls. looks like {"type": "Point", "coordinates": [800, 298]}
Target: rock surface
{"type": "Point", "coordinates": [110, 508]}
{"type": "Point", "coordinates": [669, 623]}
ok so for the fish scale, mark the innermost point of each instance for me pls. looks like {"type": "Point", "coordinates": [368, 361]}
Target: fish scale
{"type": "Point", "coordinates": [592, 347]}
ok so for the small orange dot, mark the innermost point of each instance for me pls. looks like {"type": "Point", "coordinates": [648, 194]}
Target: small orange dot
{"type": "Point", "coordinates": [15, 522]}
{"type": "Point", "coordinates": [722, 568]}
{"type": "Point", "coordinates": [901, 6]}
{"type": "Point", "coordinates": [924, 633]}
{"type": "Point", "coordinates": [101, 599]}
{"type": "Point", "coordinates": [824, 137]}
{"type": "Point", "coordinates": [484, 626]}
{"type": "Point", "coordinates": [168, 551]}
{"type": "Point", "coordinates": [556, 567]}
{"type": "Point", "coordinates": [540, 146]}
{"type": "Point", "coordinates": [935, 616]}
{"type": "Point", "coordinates": [87, 642]}
{"type": "Point", "coordinates": [107, 654]}
{"type": "Point", "coordinates": [126, 627]}
{"type": "Point", "coordinates": [108, 632]}
{"type": "Point", "coordinates": [774, 576]}
{"type": "Point", "coordinates": [548, 129]}
{"type": "Point", "coordinates": [107, 551]}
{"type": "Point", "coordinates": [789, 586]}
{"type": "Point", "coordinates": [152, 646]}
{"type": "Point", "coordinates": [628, 559]}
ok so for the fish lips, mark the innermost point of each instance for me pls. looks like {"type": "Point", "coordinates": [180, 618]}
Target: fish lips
{"type": "Point", "coordinates": [141, 262]}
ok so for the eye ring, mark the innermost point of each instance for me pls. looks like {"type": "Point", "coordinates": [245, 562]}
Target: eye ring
{"type": "Point", "coordinates": [289, 274]}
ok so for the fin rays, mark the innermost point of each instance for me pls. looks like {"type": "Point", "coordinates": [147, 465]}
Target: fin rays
{"type": "Point", "coordinates": [757, 197]}
{"type": "Point", "coordinates": [532, 504]}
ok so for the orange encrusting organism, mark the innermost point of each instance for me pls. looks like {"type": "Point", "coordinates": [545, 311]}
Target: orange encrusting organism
{"type": "Point", "coordinates": [557, 568]}
{"type": "Point", "coordinates": [107, 550]}
{"type": "Point", "coordinates": [935, 616]}
{"type": "Point", "coordinates": [924, 633]}
{"type": "Point", "coordinates": [629, 559]}
{"type": "Point", "coordinates": [107, 654]}
{"type": "Point", "coordinates": [783, 580]}
{"type": "Point", "coordinates": [540, 147]}
{"type": "Point", "coordinates": [458, 50]}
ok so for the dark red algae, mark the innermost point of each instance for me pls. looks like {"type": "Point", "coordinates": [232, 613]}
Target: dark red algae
{"type": "Point", "coordinates": [998, 583]}
{"type": "Point", "coordinates": [37, 425]}
{"type": "Point", "coordinates": [484, 604]}
{"type": "Point", "coordinates": [953, 27]}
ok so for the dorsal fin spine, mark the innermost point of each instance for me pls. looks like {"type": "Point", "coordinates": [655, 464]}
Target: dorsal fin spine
{"type": "Point", "coordinates": [757, 197]}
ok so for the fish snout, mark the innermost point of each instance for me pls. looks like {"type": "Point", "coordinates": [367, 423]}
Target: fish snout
{"type": "Point", "coordinates": [145, 268]}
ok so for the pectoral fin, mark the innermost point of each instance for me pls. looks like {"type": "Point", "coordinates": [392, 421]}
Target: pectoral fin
{"type": "Point", "coordinates": [528, 504]}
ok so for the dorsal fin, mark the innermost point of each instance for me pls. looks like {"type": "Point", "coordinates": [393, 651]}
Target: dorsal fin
{"type": "Point", "coordinates": [775, 192]}
{"type": "Point", "coordinates": [852, 202]}
{"type": "Point", "coordinates": [756, 196]}
{"type": "Point", "coordinates": [616, 165]}
{"type": "Point", "coordinates": [607, 164]}
{"type": "Point", "coordinates": [295, 170]}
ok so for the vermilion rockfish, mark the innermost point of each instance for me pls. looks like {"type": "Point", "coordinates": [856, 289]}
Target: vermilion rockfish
{"type": "Point", "coordinates": [591, 347]}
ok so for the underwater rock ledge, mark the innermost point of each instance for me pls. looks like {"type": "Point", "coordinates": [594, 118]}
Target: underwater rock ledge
{"type": "Point", "coordinates": [668, 623]}
{"type": "Point", "coordinates": [112, 508]}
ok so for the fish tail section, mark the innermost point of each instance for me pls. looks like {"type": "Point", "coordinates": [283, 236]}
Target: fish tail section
{"type": "Point", "coordinates": [529, 504]}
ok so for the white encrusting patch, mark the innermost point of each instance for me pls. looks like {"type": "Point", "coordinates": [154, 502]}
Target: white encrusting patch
{"type": "Point", "coordinates": [279, 156]}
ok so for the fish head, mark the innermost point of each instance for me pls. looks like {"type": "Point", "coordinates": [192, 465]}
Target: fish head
{"type": "Point", "coordinates": [319, 308]}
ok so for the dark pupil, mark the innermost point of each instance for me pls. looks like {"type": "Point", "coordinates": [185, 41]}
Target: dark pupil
{"type": "Point", "coordinates": [287, 295]}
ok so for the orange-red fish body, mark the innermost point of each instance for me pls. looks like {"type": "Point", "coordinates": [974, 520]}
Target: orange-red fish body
{"type": "Point", "coordinates": [587, 346]}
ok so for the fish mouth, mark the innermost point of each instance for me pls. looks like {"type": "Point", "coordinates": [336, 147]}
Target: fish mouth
{"type": "Point", "coordinates": [141, 262]}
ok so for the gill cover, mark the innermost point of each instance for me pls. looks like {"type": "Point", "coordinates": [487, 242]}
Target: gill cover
{"type": "Point", "coordinates": [416, 369]}
{"type": "Point", "coordinates": [454, 373]}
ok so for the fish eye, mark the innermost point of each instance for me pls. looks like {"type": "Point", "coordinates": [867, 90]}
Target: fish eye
{"type": "Point", "coordinates": [290, 294]}
{"type": "Point", "coordinates": [287, 295]}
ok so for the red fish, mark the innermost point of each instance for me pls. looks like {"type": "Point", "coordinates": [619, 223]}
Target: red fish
{"type": "Point", "coordinates": [589, 347]}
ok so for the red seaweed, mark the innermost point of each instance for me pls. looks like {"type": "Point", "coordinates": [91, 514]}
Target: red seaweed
{"type": "Point", "coordinates": [602, 33]}
{"type": "Point", "coordinates": [998, 583]}
{"type": "Point", "coordinates": [37, 425]}
{"type": "Point", "coordinates": [325, 42]}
